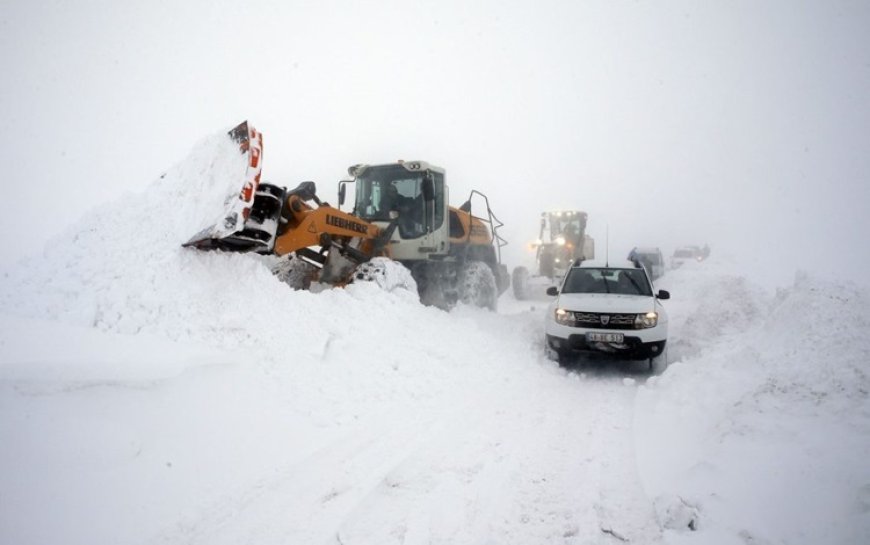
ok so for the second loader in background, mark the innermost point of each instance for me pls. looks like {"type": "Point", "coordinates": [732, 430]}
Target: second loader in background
{"type": "Point", "coordinates": [400, 214]}
{"type": "Point", "coordinates": [562, 241]}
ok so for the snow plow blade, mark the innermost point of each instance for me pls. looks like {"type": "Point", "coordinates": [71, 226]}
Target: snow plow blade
{"type": "Point", "coordinates": [250, 220]}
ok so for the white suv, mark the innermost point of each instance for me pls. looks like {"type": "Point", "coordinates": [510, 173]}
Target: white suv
{"type": "Point", "coordinates": [607, 308]}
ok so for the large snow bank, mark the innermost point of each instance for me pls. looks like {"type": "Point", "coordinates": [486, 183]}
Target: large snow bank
{"type": "Point", "coordinates": [760, 431]}
{"type": "Point", "coordinates": [122, 268]}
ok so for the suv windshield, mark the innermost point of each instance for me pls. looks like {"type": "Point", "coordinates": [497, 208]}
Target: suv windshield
{"type": "Point", "coordinates": [619, 281]}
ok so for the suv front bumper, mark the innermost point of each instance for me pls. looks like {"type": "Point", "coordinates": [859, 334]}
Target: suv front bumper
{"type": "Point", "coordinates": [632, 347]}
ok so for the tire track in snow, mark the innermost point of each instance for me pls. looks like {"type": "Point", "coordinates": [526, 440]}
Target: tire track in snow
{"type": "Point", "coordinates": [554, 468]}
{"type": "Point", "coordinates": [583, 478]}
{"type": "Point", "coordinates": [623, 509]}
{"type": "Point", "coordinates": [542, 457]}
{"type": "Point", "coordinates": [302, 503]}
{"type": "Point", "coordinates": [451, 488]}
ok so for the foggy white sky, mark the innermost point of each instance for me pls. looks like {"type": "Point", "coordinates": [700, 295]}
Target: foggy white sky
{"type": "Point", "coordinates": [741, 124]}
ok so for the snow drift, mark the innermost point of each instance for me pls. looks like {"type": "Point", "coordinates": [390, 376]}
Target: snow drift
{"type": "Point", "coordinates": [122, 268]}
{"type": "Point", "coordinates": [760, 430]}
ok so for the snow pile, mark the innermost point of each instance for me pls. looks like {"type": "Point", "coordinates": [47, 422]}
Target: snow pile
{"type": "Point", "coordinates": [817, 345]}
{"type": "Point", "coordinates": [122, 268]}
{"type": "Point", "coordinates": [760, 432]}
{"type": "Point", "coordinates": [710, 300]}
{"type": "Point", "coordinates": [388, 275]}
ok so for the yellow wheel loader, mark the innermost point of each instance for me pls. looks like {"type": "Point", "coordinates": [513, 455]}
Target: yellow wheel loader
{"type": "Point", "coordinates": [562, 240]}
{"type": "Point", "coordinates": [400, 212]}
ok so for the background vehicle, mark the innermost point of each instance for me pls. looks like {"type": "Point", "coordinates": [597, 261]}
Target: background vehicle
{"type": "Point", "coordinates": [562, 240]}
{"type": "Point", "coordinates": [689, 253]}
{"type": "Point", "coordinates": [401, 212]}
{"type": "Point", "coordinates": [651, 259]}
{"type": "Point", "coordinates": [607, 309]}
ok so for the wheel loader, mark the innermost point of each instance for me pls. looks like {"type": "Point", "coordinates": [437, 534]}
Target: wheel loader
{"type": "Point", "coordinates": [562, 240]}
{"type": "Point", "coordinates": [400, 212]}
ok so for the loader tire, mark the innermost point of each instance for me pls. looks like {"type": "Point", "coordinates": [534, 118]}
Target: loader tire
{"type": "Point", "coordinates": [520, 283]}
{"type": "Point", "coordinates": [432, 295]}
{"type": "Point", "coordinates": [295, 272]}
{"type": "Point", "coordinates": [477, 285]}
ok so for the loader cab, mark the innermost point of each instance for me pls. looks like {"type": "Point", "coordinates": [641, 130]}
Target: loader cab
{"type": "Point", "coordinates": [561, 241]}
{"type": "Point", "coordinates": [563, 227]}
{"type": "Point", "coordinates": [411, 193]}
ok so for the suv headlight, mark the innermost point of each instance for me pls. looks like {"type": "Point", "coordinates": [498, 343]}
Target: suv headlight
{"type": "Point", "coordinates": [564, 317]}
{"type": "Point", "coordinates": [648, 319]}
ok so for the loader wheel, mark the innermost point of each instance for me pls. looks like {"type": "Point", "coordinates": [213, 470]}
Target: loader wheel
{"type": "Point", "coordinates": [295, 272]}
{"type": "Point", "coordinates": [477, 285]}
{"type": "Point", "coordinates": [432, 294]}
{"type": "Point", "coordinates": [520, 283]}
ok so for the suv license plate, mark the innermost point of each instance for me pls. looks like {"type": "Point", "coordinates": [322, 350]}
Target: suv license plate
{"type": "Point", "coordinates": [605, 337]}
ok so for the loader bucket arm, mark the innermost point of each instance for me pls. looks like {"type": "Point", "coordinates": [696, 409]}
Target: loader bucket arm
{"type": "Point", "coordinates": [336, 242]}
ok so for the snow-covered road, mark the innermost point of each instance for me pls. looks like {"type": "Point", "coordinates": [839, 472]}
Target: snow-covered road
{"type": "Point", "coordinates": [507, 448]}
{"type": "Point", "coordinates": [504, 467]}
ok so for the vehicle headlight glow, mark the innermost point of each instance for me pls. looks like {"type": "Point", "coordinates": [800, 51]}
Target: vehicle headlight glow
{"type": "Point", "coordinates": [649, 319]}
{"type": "Point", "coordinates": [564, 317]}
{"type": "Point", "coordinates": [560, 241]}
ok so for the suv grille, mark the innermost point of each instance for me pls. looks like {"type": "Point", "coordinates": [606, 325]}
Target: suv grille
{"type": "Point", "coordinates": [596, 320]}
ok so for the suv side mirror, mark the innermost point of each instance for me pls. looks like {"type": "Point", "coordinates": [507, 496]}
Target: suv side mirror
{"type": "Point", "coordinates": [663, 294]}
{"type": "Point", "coordinates": [552, 290]}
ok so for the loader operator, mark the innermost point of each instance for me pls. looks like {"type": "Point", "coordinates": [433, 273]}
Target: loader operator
{"type": "Point", "coordinates": [392, 200]}
{"type": "Point", "coordinates": [410, 225]}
